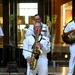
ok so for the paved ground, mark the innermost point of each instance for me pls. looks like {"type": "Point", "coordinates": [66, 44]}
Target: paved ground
{"type": "Point", "coordinates": [55, 68]}
{"type": "Point", "coordinates": [52, 71]}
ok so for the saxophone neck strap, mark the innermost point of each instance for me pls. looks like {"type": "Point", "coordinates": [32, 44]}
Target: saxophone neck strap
{"type": "Point", "coordinates": [40, 38]}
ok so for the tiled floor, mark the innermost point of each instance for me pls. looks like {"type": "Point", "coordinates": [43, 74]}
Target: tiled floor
{"type": "Point", "coordinates": [52, 71]}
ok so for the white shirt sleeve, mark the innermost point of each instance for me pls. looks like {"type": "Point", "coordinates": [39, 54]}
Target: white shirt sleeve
{"type": "Point", "coordinates": [1, 32]}
{"type": "Point", "coordinates": [26, 52]}
{"type": "Point", "coordinates": [66, 29]}
{"type": "Point", "coordinates": [70, 26]}
{"type": "Point", "coordinates": [48, 33]}
{"type": "Point", "coordinates": [45, 30]}
{"type": "Point", "coordinates": [45, 44]}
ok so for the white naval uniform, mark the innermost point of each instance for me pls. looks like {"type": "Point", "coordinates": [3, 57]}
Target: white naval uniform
{"type": "Point", "coordinates": [45, 30]}
{"type": "Point", "coordinates": [69, 27]}
{"type": "Point", "coordinates": [42, 64]}
{"type": "Point", "coordinates": [1, 32]}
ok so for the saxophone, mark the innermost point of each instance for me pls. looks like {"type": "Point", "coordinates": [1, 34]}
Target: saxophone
{"type": "Point", "coordinates": [35, 55]}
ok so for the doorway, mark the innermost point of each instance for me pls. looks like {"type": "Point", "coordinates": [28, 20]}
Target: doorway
{"type": "Point", "coordinates": [25, 13]}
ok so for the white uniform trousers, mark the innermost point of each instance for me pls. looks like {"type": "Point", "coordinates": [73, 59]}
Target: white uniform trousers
{"type": "Point", "coordinates": [41, 69]}
{"type": "Point", "coordinates": [72, 60]}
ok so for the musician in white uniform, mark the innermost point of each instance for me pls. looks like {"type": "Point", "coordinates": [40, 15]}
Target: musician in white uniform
{"type": "Point", "coordinates": [70, 29]}
{"type": "Point", "coordinates": [45, 29]}
{"type": "Point", "coordinates": [44, 44]}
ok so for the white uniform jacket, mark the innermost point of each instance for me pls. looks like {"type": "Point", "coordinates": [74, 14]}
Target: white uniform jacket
{"type": "Point", "coordinates": [69, 27]}
{"type": "Point", "coordinates": [45, 30]}
{"type": "Point", "coordinates": [28, 43]}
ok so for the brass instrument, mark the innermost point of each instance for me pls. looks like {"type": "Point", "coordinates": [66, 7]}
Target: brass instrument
{"type": "Point", "coordinates": [52, 35]}
{"type": "Point", "coordinates": [35, 55]}
{"type": "Point", "coordinates": [70, 39]}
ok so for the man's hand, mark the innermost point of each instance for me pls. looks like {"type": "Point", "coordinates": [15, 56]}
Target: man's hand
{"type": "Point", "coordinates": [39, 45]}
{"type": "Point", "coordinates": [29, 59]}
